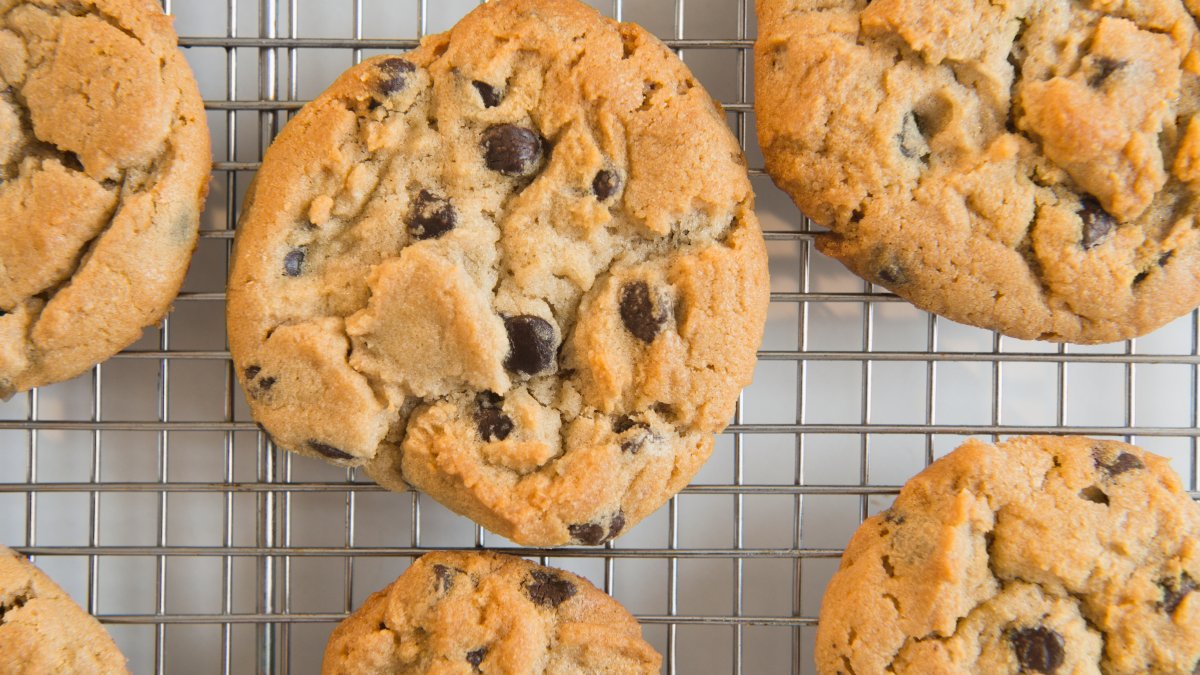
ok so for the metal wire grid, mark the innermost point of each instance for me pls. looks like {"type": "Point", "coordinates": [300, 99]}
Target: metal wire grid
{"type": "Point", "coordinates": [839, 461]}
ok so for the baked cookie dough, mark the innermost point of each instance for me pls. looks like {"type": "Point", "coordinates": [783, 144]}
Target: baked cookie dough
{"type": "Point", "coordinates": [1037, 555]}
{"type": "Point", "coordinates": [104, 167]}
{"type": "Point", "coordinates": [479, 612]}
{"type": "Point", "coordinates": [1026, 166]}
{"type": "Point", "coordinates": [517, 268]}
{"type": "Point", "coordinates": [43, 631]}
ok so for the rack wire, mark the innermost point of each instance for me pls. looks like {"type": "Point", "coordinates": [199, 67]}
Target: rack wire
{"type": "Point", "coordinates": [147, 491]}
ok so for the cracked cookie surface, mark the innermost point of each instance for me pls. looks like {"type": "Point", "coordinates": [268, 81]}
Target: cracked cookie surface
{"type": "Point", "coordinates": [517, 268]}
{"type": "Point", "coordinates": [1040, 554]}
{"type": "Point", "coordinates": [104, 166]}
{"type": "Point", "coordinates": [1028, 166]}
{"type": "Point", "coordinates": [43, 631]}
{"type": "Point", "coordinates": [480, 612]}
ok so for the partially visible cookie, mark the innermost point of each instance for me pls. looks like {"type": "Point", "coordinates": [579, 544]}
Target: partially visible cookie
{"type": "Point", "coordinates": [1031, 167]}
{"type": "Point", "coordinates": [517, 268]}
{"type": "Point", "coordinates": [480, 612]}
{"type": "Point", "coordinates": [43, 631]}
{"type": "Point", "coordinates": [1041, 554]}
{"type": "Point", "coordinates": [104, 166]}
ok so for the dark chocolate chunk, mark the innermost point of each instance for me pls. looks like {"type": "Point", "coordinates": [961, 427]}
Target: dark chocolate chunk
{"type": "Point", "coordinates": [431, 216]}
{"type": "Point", "coordinates": [1105, 67]}
{"type": "Point", "coordinates": [252, 372]}
{"type": "Point", "coordinates": [328, 450]}
{"type": "Point", "coordinates": [588, 534]}
{"type": "Point", "coordinates": [548, 589]}
{"type": "Point", "coordinates": [912, 143]}
{"type": "Point", "coordinates": [892, 274]}
{"type": "Point", "coordinates": [622, 424]}
{"type": "Point", "coordinates": [488, 93]}
{"type": "Point", "coordinates": [476, 657]}
{"type": "Point", "coordinates": [616, 525]}
{"type": "Point", "coordinates": [512, 150]}
{"type": "Point", "coordinates": [1097, 223]}
{"type": "Point", "coordinates": [394, 75]}
{"type": "Point", "coordinates": [1039, 650]}
{"type": "Point", "coordinates": [1175, 590]}
{"type": "Point", "coordinates": [605, 184]}
{"type": "Point", "coordinates": [293, 262]}
{"type": "Point", "coordinates": [637, 312]}
{"type": "Point", "coordinates": [1093, 493]}
{"type": "Point", "coordinates": [490, 420]}
{"type": "Point", "coordinates": [1123, 463]}
{"type": "Point", "coordinates": [444, 577]}
{"type": "Point", "coordinates": [531, 344]}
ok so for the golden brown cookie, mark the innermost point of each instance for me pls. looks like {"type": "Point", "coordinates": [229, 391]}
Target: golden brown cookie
{"type": "Point", "coordinates": [517, 268]}
{"type": "Point", "coordinates": [104, 166]}
{"type": "Point", "coordinates": [480, 612]}
{"type": "Point", "coordinates": [1026, 166]}
{"type": "Point", "coordinates": [43, 631]}
{"type": "Point", "coordinates": [1038, 555]}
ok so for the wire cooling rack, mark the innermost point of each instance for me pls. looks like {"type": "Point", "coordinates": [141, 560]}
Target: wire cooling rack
{"type": "Point", "coordinates": [146, 490]}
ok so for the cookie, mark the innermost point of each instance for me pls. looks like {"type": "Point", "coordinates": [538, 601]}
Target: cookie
{"type": "Point", "coordinates": [480, 612]}
{"type": "Point", "coordinates": [517, 268]}
{"type": "Point", "coordinates": [1027, 167]}
{"type": "Point", "coordinates": [43, 631]}
{"type": "Point", "coordinates": [104, 166]}
{"type": "Point", "coordinates": [1037, 555]}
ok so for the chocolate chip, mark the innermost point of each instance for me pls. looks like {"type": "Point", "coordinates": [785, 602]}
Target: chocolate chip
{"type": "Point", "coordinates": [616, 525]}
{"type": "Point", "coordinates": [512, 150]}
{"type": "Point", "coordinates": [1093, 493]}
{"type": "Point", "coordinates": [605, 184]}
{"type": "Point", "coordinates": [431, 216]}
{"type": "Point", "coordinates": [622, 424]}
{"type": "Point", "coordinates": [588, 534]}
{"type": "Point", "coordinates": [293, 262]}
{"type": "Point", "coordinates": [912, 143]}
{"type": "Point", "coordinates": [489, 94]}
{"type": "Point", "coordinates": [1097, 223]}
{"type": "Point", "coordinates": [444, 577]}
{"type": "Point", "coordinates": [1174, 591]}
{"type": "Point", "coordinates": [548, 589]}
{"type": "Point", "coordinates": [637, 312]}
{"type": "Point", "coordinates": [1105, 67]}
{"type": "Point", "coordinates": [1040, 650]}
{"type": "Point", "coordinates": [1124, 462]}
{"type": "Point", "coordinates": [892, 274]}
{"type": "Point", "coordinates": [252, 372]}
{"type": "Point", "coordinates": [394, 75]}
{"type": "Point", "coordinates": [490, 420]}
{"type": "Point", "coordinates": [893, 516]}
{"type": "Point", "coordinates": [328, 450]}
{"type": "Point", "coordinates": [3, 313]}
{"type": "Point", "coordinates": [531, 344]}
{"type": "Point", "coordinates": [476, 657]}
{"type": "Point", "coordinates": [266, 383]}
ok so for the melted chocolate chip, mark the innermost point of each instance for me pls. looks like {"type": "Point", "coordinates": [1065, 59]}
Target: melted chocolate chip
{"type": "Point", "coordinates": [1105, 67]}
{"type": "Point", "coordinates": [892, 274]}
{"type": "Point", "coordinates": [531, 344]}
{"type": "Point", "coordinates": [293, 262]}
{"type": "Point", "coordinates": [1093, 493]}
{"type": "Point", "coordinates": [548, 589]}
{"type": "Point", "coordinates": [488, 93]}
{"type": "Point", "coordinates": [252, 372]}
{"type": "Point", "coordinates": [1038, 649]}
{"type": "Point", "coordinates": [622, 424]}
{"type": "Point", "coordinates": [266, 383]}
{"type": "Point", "coordinates": [616, 525]}
{"type": "Point", "coordinates": [605, 184]}
{"type": "Point", "coordinates": [512, 150]}
{"type": "Point", "coordinates": [394, 75]}
{"type": "Point", "coordinates": [431, 216]}
{"type": "Point", "coordinates": [490, 420]}
{"type": "Point", "coordinates": [328, 450]}
{"type": "Point", "coordinates": [1174, 591]}
{"type": "Point", "coordinates": [444, 577]}
{"type": "Point", "coordinates": [1123, 463]}
{"type": "Point", "coordinates": [476, 657]}
{"type": "Point", "coordinates": [637, 312]}
{"type": "Point", "coordinates": [588, 534]}
{"type": "Point", "coordinates": [893, 516]}
{"type": "Point", "coordinates": [1097, 223]}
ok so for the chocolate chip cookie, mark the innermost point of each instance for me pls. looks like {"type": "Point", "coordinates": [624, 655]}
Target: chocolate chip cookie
{"type": "Point", "coordinates": [1037, 555]}
{"type": "Point", "coordinates": [43, 631]}
{"type": "Point", "coordinates": [104, 166]}
{"type": "Point", "coordinates": [517, 268]}
{"type": "Point", "coordinates": [482, 612]}
{"type": "Point", "coordinates": [1028, 167]}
